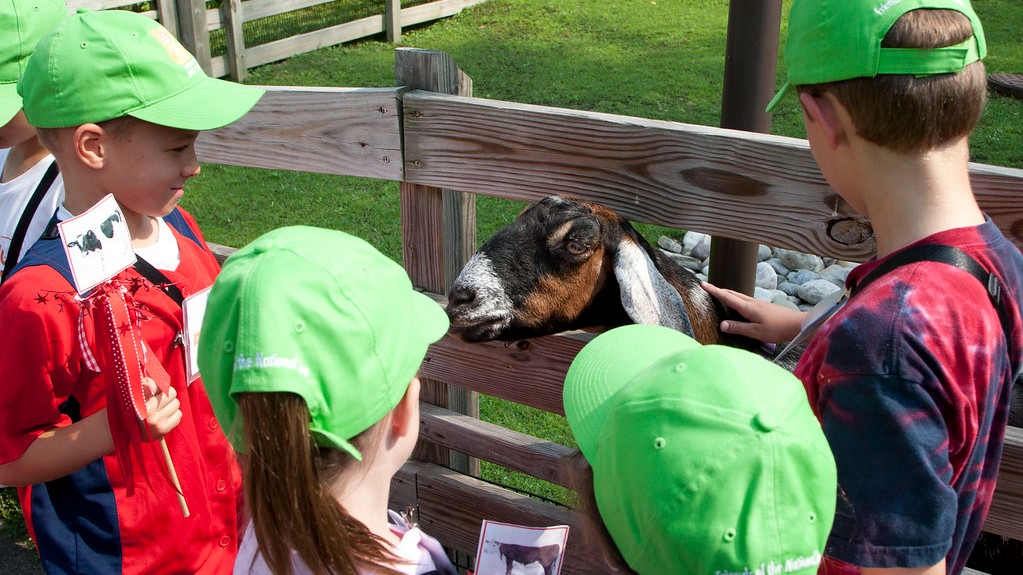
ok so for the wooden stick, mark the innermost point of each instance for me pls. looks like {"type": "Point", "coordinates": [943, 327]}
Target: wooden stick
{"type": "Point", "coordinates": [173, 476]}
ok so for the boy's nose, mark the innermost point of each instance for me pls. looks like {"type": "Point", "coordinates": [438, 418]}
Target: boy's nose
{"type": "Point", "coordinates": [191, 169]}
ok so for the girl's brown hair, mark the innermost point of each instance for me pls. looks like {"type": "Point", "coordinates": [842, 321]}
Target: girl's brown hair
{"type": "Point", "coordinates": [288, 480]}
{"type": "Point", "coordinates": [908, 114]}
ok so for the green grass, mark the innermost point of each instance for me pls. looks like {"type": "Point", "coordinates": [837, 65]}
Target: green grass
{"type": "Point", "coordinates": [661, 60]}
{"type": "Point", "coordinates": [11, 522]}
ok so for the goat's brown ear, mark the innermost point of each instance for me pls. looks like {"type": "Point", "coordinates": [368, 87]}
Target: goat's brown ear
{"type": "Point", "coordinates": [646, 295]}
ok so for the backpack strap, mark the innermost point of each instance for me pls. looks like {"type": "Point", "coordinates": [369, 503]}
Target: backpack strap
{"type": "Point", "coordinates": [177, 221]}
{"type": "Point", "coordinates": [14, 250]}
{"type": "Point", "coordinates": [947, 255]}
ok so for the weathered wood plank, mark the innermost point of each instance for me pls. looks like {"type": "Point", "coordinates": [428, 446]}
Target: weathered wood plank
{"type": "Point", "coordinates": [256, 9]}
{"type": "Point", "coordinates": [322, 38]}
{"type": "Point", "coordinates": [517, 451]}
{"type": "Point", "coordinates": [728, 183]}
{"type": "Point", "coordinates": [347, 131]}
{"type": "Point", "coordinates": [438, 230]}
{"type": "Point", "coordinates": [392, 20]}
{"type": "Point", "coordinates": [234, 38]}
{"type": "Point", "coordinates": [452, 507]}
{"type": "Point", "coordinates": [1006, 514]}
{"type": "Point", "coordinates": [221, 252]}
{"type": "Point", "coordinates": [167, 15]}
{"type": "Point", "coordinates": [74, 5]}
{"type": "Point", "coordinates": [529, 371]}
{"type": "Point", "coordinates": [434, 10]}
{"type": "Point", "coordinates": [192, 31]}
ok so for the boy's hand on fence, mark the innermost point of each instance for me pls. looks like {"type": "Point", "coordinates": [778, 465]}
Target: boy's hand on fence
{"type": "Point", "coordinates": [164, 411]}
{"type": "Point", "coordinates": [767, 322]}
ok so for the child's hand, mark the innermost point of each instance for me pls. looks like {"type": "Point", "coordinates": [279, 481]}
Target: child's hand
{"type": "Point", "coordinates": [767, 322]}
{"type": "Point", "coordinates": [164, 411]}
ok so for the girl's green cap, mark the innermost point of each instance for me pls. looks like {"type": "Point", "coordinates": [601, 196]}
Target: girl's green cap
{"type": "Point", "coordinates": [320, 314]}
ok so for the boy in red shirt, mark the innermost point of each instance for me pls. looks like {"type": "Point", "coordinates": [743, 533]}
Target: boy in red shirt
{"type": "Point", "coordinates": [119, 102]}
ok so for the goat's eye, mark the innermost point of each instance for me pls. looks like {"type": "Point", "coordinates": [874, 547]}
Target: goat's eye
{"type": "Point", "coordinates": [576, 248]}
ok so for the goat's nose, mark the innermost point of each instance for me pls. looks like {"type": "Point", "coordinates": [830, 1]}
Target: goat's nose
{"type": "Point", "coordinates": [461, 296]}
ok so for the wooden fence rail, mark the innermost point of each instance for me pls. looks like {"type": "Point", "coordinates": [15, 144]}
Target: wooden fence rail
{"type": "Point", "coordinates": [193, 24]}
{"type": "Point", "coordinates": [742, 185]}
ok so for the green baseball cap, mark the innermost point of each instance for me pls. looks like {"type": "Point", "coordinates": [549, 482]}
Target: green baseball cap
{"type": "Point", "coordinates": [706, 459]}
{"type": "Point", "coordinates": [23, 23]}
{"type": "Point", "coordinates": [96, 66]}
{"type": "Point", "coordinates": [320, 314]}
{"type": "Point", "coordinates": [833, 40]}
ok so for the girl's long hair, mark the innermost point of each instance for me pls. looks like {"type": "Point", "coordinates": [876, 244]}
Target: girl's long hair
{"type": "Point", "coordinates": [288, 480]}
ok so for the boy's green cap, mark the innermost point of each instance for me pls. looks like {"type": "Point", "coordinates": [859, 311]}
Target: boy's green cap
{"type": "Point", "coordinates": [320, 314]}
{"type": "Point", "coordinates": [706, 459]}
{"type": "Point", "coordinates": [96, 66]}
{"type": "Point", "coordinates": [833, 40]}
{"type": "Point", "coordinates": [23, 23]}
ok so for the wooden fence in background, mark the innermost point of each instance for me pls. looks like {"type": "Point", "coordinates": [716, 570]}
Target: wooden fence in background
{"type": "Point", "coordinates": [445, 148]}
{"type": "Point", "coordinates": [193, 23]}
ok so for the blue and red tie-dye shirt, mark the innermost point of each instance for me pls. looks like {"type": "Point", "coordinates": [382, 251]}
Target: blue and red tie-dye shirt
{"type": "Point", "coordinates": [911, 382]}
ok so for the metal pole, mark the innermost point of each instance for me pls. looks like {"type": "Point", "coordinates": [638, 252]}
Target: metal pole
{"type": "Point", "coordinates": [751, 56]}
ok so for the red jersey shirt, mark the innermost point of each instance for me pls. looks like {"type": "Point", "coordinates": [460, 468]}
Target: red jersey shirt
{"type": "Point", "coordinates": [87, 522]}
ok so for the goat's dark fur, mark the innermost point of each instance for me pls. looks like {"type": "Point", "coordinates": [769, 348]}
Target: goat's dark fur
{"type": "Point", "coordinates": [554, 269]}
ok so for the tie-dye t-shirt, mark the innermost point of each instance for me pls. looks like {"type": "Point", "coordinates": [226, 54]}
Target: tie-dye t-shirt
{"type": "Point", "coordinates": [911, 382]}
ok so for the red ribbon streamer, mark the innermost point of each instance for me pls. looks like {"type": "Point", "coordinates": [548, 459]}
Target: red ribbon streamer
{"type": "Point", "coordinates": [126, 364]}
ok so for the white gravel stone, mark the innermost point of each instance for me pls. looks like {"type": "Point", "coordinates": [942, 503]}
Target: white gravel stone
{"type": "Point", "coordinates": [690, 239]}
{"type": "Point", "coordinates": [835, 274]}
{"type": "Point", "coordinates": [669, 245]}
{"type": "Point", "coordinates": [702, 249]}
{"type": "Point", "coordinates": [779, 267]}
{"type": "Point", "coordinates": [816, 290]}
{"type": "Point", "coordinates": [767, 278]}
{"type": "Point", "coordinates": [799, 261]}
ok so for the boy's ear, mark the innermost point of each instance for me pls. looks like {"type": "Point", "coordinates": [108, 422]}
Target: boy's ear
{"type": "Point", "coordinates": [88, 145]}
{"type": "Point", "coordinates": [827, 115]}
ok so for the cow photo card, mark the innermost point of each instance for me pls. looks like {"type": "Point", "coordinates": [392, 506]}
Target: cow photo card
{"type": "Point", "coordinates": [97, 244]}
{"type": "Point", "coordinates": [506, 549]}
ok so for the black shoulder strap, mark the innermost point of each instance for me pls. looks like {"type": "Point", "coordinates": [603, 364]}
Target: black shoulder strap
{"type": "Point", "coordinates": [14, 251]}
{"type": "Point", "coordinates": [155, 276]}
{"type": "Point", "coordinates": [158, 279]}
{"type": "Point", "coordinates": [951, 256]}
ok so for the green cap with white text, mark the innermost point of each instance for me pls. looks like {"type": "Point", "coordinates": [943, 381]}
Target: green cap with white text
{"type": "Point", "coordinates": [96, 66]}
{"type": "Point", "coordinates": [834, 40]}
{"type": "Point", "coordinates": [320, 314]}
{"type": "Point", "coordinates": [23, 23]}
{"type": "Point", "coordinates": [705, 459]}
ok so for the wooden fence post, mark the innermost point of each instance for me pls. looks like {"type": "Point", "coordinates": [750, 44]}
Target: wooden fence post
{"type": "Point", "coordinates": [235, 39]}
{"type": "Point", "coordinates": [192, 31]}
{"type": "Point", "coordinates": [751, 53]}
{"type": "Point", "coordinates": [438, 229]}
{"type": "Point", "coordinates": [167, 14]}
{"type": "Point", "coordinates": [392, 20]}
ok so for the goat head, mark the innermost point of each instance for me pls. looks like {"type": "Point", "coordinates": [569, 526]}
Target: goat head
{"type": "Point", "coordinates": [565, 264]}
